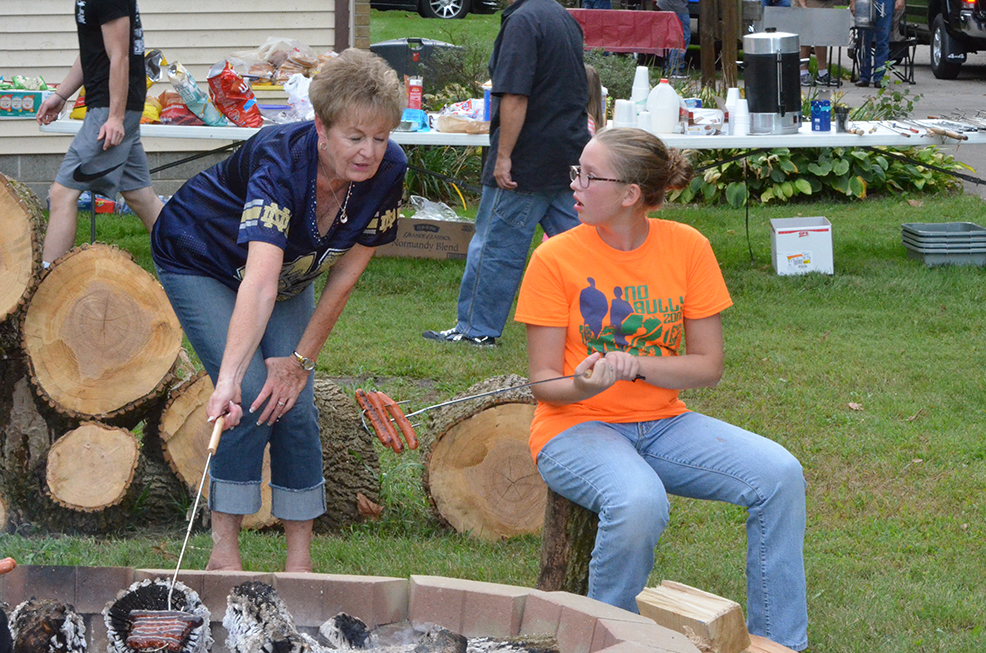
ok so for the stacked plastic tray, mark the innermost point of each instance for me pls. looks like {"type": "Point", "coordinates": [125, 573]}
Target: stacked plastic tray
{"type": "Point", "coordinates": [946, 243]}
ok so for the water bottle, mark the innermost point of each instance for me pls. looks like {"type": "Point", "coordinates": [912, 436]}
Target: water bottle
{"type": "Point", "coordinates": [664, 106]}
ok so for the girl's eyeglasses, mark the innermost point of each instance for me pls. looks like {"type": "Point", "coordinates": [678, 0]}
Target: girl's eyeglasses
{"type": "Point", "coordinates": [584, 178]}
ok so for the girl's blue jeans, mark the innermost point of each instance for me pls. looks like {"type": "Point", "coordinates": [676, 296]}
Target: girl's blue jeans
{"type": "Point", "coordinates": [204, 307]}
{"type": "Point", "coordinates": [624, 472]}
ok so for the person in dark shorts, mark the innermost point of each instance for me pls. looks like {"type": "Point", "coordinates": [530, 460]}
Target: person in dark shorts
{"type": "Point", "coordinates": [106, 155]}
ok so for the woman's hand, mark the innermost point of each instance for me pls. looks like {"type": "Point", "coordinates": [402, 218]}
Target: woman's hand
{"type": "Point", "coordinates": [225, 400]}
{"type": "Point", "coordinates": [625, 366]}
{"type": "Point", "coordinates": [285, 381]}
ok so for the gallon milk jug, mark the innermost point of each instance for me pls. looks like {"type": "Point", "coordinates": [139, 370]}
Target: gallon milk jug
{"type": "Point", "coordinates": [663, 104]}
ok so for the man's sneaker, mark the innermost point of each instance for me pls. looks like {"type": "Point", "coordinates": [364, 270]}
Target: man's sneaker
{"type": "Point", "coordinates": [805, 78]}
{"type": "Point", "coordinates": [824, 80]}
{"type": "Point", "coordinates": [451, 335]}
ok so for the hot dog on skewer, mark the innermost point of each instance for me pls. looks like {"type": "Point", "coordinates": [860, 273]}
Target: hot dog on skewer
{"type": "Point", "coordinates": [377, 420]}
{"type": "Point", "coordinates": [395, 440]}
{"type": "Point", "coordinates": [394, 410]}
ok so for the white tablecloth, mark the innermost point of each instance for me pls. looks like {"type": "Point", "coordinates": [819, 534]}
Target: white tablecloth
{"type": "Point", "coordinates": [873, 134]}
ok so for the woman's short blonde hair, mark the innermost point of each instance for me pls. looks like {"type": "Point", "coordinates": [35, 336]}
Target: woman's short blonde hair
{"type": "Point", "coordinates": [359, 81]}
{"type": "Point", "coordinates": [639, 157]}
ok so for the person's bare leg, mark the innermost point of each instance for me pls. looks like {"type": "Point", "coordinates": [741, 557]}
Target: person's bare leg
{"type": "Point", "coordinates": [298, 535]}
{"type": "Point", "coordinates": [822, 55]}
{"type": "Point", "coordinates": [145, 203]}
{"type": "Point", "coordinates": [225, 542]}
{"type": "Point", "coordinates": [62, 221]}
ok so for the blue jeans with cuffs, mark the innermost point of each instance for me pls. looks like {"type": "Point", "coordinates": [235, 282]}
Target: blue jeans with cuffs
{"type": "Point", "coordinates": [204, 307]}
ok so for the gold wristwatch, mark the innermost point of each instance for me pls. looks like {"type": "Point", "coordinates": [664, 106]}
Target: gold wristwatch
{"type": "Point", "coordinates": [307, 364]}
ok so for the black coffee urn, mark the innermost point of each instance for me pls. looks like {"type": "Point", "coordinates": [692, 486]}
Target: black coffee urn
{"type": "Point", "coordinates": [772, 62]}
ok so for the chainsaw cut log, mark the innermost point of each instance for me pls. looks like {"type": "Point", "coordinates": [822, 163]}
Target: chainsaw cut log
{"type": "Point", "coordinates": [100, 336]}
{"type": "Point", "coordinates": [712, 622]}
{"type": "Point", "coordinates": [479, 475]}
{"type": "Point", "coordinates": [350, 464]}
{"type": "Point", "coordinates": [21, 226]}
{"type": "Point", "coordinates": [91, 468]}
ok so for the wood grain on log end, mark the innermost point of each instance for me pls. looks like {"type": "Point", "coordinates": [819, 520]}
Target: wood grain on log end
{"type": "Point", "coordinates": [91, 468]}
{"type": "Point", "coordinates": [99, 334]}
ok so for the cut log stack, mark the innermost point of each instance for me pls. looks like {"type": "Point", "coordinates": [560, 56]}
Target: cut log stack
{"type": "Point", "coordinates": [97, 432]}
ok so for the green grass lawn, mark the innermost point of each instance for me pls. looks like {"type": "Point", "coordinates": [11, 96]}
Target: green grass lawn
{"type": "Point", "coordinates": [387, 25]}
{"type": "Point", "coordinates": [873, 377]}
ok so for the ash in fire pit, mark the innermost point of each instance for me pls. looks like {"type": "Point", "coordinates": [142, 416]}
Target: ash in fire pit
{"type": "Point", "coordinates": [258, 621]}
{"type": "Point", "coordinates": [42, 625]}
{"type": "Point", "coordinates": [152, 595]}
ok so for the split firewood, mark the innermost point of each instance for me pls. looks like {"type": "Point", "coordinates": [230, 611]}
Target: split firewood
{"type": "Point", "coordinates": [712, 622]}
{"type": "Point", "coordinates": [479, 475]}
{"type": "Point", "coordinates": [99, 336]}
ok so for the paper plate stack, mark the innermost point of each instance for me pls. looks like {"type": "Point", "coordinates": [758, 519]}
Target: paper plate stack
{"type": "Point", "coordinates": [946, 243]}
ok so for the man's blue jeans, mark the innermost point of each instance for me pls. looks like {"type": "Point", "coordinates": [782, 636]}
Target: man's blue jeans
{"type": "Point", "coordinates": [874, 44]}
{"type": "Point", "coordinates": [624, 472]}
{"type": "Point", "coordinates": [597, 4]}
{"type": "Point", "coordinates": [505, 224]}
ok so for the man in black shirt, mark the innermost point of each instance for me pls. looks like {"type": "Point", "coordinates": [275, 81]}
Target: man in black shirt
{"type": "Point", "coordinates": [538, 128]}
{"type": "Point", "coordinates": [107, 154]}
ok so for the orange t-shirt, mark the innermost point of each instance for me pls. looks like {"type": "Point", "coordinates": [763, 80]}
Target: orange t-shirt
{"type": "Point", "coordinates": [613, 300]}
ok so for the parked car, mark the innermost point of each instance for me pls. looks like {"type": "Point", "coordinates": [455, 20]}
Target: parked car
{"type": "Point", "coordinates": [952, 28]}
{"type": "Point", "coordinates": [439, 8]}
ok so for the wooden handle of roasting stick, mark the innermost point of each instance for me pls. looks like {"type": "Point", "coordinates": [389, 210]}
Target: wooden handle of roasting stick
{"type": "Point", "coordinates": [217, 431]}
{"type": "Point", "coordinates": [949, 133]}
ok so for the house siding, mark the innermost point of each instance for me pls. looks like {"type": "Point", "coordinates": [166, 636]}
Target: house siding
{"type": "Point", "coordinates": [38, 38]}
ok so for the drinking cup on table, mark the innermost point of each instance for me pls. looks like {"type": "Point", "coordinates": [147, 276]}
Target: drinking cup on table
{"type": "Point", "coordinates": [742, 127]}
{"type": "Point", "coordinates": [624, 114]}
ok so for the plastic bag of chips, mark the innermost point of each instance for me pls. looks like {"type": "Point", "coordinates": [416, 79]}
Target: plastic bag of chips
{"type": "Point", "coordinates": [195, 99]}
{"type": "Point", "coordinates": [233, 96]}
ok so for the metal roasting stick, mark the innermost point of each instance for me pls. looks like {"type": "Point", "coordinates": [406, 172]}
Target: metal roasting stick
{"type": "Point", "coordinates": [217, 431]}
{"type": "Point", "coordinates": [587, 374]}
{"type": "Point", "coordinates": [892, 126]}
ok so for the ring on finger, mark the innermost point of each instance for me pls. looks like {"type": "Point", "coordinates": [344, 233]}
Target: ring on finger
{"type": "Point", "coordinates": [280, 403]}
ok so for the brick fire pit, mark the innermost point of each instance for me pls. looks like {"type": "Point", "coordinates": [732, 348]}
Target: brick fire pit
{"type": "Point", "coordinates": [472, 608]}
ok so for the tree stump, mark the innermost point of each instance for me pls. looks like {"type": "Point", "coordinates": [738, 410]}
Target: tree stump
{"type": "Point", "coordinates": [100, 336]}
{"type": "Point", "coordinates": [566, 546]}
{"type": "Point", "coordinates": [479, 475]}
{"type": "Point", "coordinates": [92, 467]}
{"type": "Point", "coordinates": [350, 464]}
{"type": "Point", "coordinates": [21, 226]}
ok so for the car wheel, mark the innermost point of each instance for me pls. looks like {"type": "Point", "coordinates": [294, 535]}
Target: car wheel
{"type": "Point", "coordinates": [447, 9]}
{"type": "Point", "coordinates": [940, 47]}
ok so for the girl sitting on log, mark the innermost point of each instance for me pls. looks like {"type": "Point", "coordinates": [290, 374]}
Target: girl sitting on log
{"type": "Point", "coordinates": [237, 250]}
{"type": "Point", "coordinates": [610, 301]}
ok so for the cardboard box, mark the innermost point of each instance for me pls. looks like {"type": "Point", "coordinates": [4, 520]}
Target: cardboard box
{"type": "Point", "coordinates": [21, 104]}
{"type": "Point", "coordinates": [801, 245]}
{"type": "Point", "coordinates": [419, 238]}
